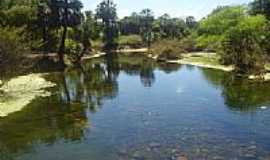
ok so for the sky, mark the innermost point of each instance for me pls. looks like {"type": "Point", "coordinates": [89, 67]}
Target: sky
{"type": "Point", "coordinates": [175, 8]}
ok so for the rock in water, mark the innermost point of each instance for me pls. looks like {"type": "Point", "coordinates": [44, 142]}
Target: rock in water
{"type": "Point", "coordinates": [181, 158]}
{"type": "Point", "coordinates": [154, 145]}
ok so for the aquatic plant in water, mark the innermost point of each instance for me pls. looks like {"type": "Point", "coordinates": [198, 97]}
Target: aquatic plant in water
{"type": "Point", "coordinates": [20, 91]}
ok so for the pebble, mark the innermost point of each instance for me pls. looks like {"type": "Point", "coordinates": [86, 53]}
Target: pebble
{"type": "Point", "coordinates": [123, 152]}
{"type": "Point", "coordinates": [218, 158]}
{"type": "Point", "coordinates": [154, 145]}
{"type": "Point", "coordinates": [253, 147]}
{"type": "Point", "coordinates": [250, 155]}
{"type": "Point", "coordinates": [137, 156]}
{"type": "Point", "coordinates": [181, 158]}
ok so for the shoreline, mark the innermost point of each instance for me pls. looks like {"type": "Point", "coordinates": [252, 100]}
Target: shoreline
{"type": "Point", "coordinates": [198, 64]}
{"type": "Point", "coordinates": [199, 59]}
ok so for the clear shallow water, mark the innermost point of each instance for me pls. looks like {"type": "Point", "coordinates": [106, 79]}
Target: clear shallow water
{"type": "Point", "coordinates": [132, 108]}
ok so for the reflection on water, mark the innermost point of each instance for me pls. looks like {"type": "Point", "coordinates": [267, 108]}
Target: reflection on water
{"type": "Point", "coordinates": [132, 108]}
{"type": "Point", "coordinates": [240, 94]}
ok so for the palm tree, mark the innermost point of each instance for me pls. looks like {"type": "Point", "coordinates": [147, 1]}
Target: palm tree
{"type": "Point", "coordinates": [106, 11]}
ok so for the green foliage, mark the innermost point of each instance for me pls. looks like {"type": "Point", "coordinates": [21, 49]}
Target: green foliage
{"type": "Point", "coordinates": [260, 7]}
{"type": "Point", "coordinates": [146, 20]}
{"type": "Point", "coordinates": [168, 27]}
{"type": "Point", "coordinates": [167, 49]}
{"type": "Point", "coordinates": [12, 46]}
{"type": "Point", "coordinates": [133, 41]}
{"type": "Point", "coordinates": [243, 45]}
{"type": "Point", "coordinates": [74, 50]}
{"type": "Point", "coordinates": [106, 11]}
{"type": "Point", "coordinates": [211, 29]}
{"type": "Point", "coordinates": [97, 45]}
{"type": "Point", "coordinates": [20, 16]}
{"type": "Point", "coordinates": [130, 24]}
{"type": "Point", "coordinates": [189, 44]}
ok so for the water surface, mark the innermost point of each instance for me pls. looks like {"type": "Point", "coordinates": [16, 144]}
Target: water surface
{"type": "Point", "coordinates": [132, 108]}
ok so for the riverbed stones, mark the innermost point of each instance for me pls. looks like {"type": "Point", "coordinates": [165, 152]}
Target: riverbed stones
{"type": "Point", "coordinates": [122, 152]}
{"type": "Point", "coordinates": [137, 156]}
{"type": "Point", "coordinates": [181, 157]}
{"type": "Point", "coordinates": [154, 145]}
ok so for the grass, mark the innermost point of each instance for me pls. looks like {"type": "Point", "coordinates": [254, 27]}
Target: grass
{"type": "Point", "coordinates": [167, 49]}
{"type": "Point", "coordinates": [267, 66]}
{"type": "Point", "coordinates": [133, 41]}
{"type": "Point", "coordinates": [207, 60]}
{"type": "Point", "coordinates": [204, 59]}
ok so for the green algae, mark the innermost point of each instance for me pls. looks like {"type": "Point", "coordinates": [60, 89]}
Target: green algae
{"type": "Point", "coordinates": [20, 91]}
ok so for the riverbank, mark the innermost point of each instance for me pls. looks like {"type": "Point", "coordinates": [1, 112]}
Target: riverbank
{"type": "Point", "coordinates": [211, 61]}
{"type": "Point", "coordinates": [200, 59]}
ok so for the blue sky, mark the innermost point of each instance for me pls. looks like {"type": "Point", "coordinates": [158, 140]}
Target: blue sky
{"type": "Point", "coordinates": [176, 8]}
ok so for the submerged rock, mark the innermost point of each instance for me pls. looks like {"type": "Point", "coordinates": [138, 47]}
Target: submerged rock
{"type": "Point", "coordinates": [122, 152]}
{"type": "Point", "coordinates": [137, 156]}
{"type": "Point", "coordinates": [20, 91]}
{"type": "Point", "coordinates": [182, 157]}
{"type": "Point", "coordinates": [154, 145]}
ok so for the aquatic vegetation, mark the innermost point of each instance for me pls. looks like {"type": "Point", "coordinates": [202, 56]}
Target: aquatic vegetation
{"type": "Point", "coordinates": [20, 91]}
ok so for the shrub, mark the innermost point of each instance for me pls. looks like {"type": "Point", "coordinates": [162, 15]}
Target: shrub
{"type": "Point", "coordinates": [133, 41]}
{"type": "Point", "coordinates": [243, 45]}
{"type": "Point", "coordinates": [12, 47]}
{"type": "Point", "coordinates": [167, 49]}
{"type": "Point", "coordinates": [97, 45]}
{"type": "Point", "coordinates": [189, 44]}
{"type": "Point", "coordinates": [74, 50]}
{"type": "Point", "coordinates": [211, 29]}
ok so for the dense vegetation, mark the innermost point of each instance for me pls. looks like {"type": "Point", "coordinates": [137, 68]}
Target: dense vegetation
{"type": "Point", "coordinates": [240, 34]}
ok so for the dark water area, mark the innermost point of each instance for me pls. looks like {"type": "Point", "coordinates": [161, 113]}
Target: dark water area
{"type": "Point", "coordinates": [132, 108]}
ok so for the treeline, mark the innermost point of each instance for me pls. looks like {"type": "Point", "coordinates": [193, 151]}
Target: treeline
{"type": "Point", "coordinates": [240, 34]}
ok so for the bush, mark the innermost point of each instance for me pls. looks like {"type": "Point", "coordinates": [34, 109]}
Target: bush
{"type": "Point", "coordinates": [97, 45]}
{"type": "Point", "coordinates": [12, 47]}
{"type": "Point", "coordinates": [189, 44]}
{"type": "Point", "coordinates": [74, 50]}
{"type": "Point", "coordinates": [209, 42]}
{"type": "Point", "coordinates": [167, 49]}
{"type": "Point", "coordinates": [133, 41]}
{"type": "Point", "coordinates": [211, 29]}
{"type": "Point", "coordinates": [243, 45]}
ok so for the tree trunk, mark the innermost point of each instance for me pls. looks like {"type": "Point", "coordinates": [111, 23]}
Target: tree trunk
{"type": "Point", "coordinates": [62, 46]}
{"type": "Point", "coordinates": [64, 35]}
{"type": "Point", "coordinates": [45, 40]}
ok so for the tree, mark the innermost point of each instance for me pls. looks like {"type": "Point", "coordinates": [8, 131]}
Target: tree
{"type": "Point", "coordinates": [87, 30]}
{"type": "Point", "coordinates": [171, 27]}
{"type": "Point", "coordinates": [43, 22]}
{"type": "Point", "coordinates": [260, 7]}
{"type": "Point", "coordinates": [191, 22]}
{"type": "Point", "coordinates": [106, 11]}
{"type": "Point", "coordinates": [146, 22]}
{"type": "Point", "coordinates": [64, 13]}
{"type": "Point", "coordinates": [130, 24]}
{"type": "Point", "coordinates": [211, 29]}
{"type": "Point", "coordinates": [243, 45]}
